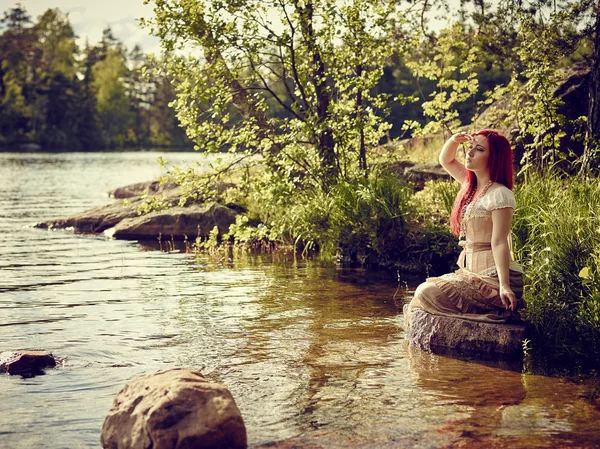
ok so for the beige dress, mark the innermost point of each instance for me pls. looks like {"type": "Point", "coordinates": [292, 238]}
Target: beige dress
{"type": "Point", "coordinates": [472, 292]}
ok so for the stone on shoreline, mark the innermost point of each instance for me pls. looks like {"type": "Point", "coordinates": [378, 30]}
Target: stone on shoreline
{"type": "Point", "coordinates": [442, 334]}
{"type": "Point", "coordinates": [26, 363]}
{"type": "Point", "coordinates": [178, 222]}
{"type": "Point", "coordinates": [193, 220]}
{"type": "Point", "coordinates": [138, 189]}
{"type": "Point", "coordinates": [94, 220]}
{"type": "Point", "coordinates": [173, 409]}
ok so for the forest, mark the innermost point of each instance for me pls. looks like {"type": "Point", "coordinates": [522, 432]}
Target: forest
{"type": "Point", "coordinates": [58, 96]}
{"type": "Point", "coordinates": [105, 96]}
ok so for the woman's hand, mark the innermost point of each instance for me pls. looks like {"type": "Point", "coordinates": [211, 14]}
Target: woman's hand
{"type": "Point", "coordinates": [508, 298]}
{"type": "Point", "coordinates": [461, 137]}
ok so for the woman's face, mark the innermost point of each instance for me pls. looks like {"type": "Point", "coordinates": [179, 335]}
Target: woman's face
{"type": "Point", "coordinates": [478, 154]}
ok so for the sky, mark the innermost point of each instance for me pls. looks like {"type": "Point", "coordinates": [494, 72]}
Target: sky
{"type": "Point", "coordinates": [90, 17]}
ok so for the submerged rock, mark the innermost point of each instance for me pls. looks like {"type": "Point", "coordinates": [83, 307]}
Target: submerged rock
{"type": "Point", "coordinates": [26, 363]}
{"type": "Point", "coordinates": [190, 221]}
{"type": "Point", "coordinates": [442, 334]}
{"type": "Point", "coordinates": [173, 409]}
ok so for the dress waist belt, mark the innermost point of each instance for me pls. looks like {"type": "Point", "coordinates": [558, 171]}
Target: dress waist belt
{"type": "Point", "coordinates": [471, 247]}
{"type": "Point", "coordinates": [475, 247]}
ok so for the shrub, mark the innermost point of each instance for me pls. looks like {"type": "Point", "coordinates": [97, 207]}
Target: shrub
{"type": "Point", "coordinates": [374, 221]}
{"type": "Point", "coordinates": [557, 238]}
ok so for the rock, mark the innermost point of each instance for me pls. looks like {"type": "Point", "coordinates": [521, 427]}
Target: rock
{"type": "Point", "coordinates": [26, 363]}
{"type": "Point", "coordinates": [190, 221]}
{"type": "Point", "coordinates": [96, 219]}
{"type": "Point", "coordinates": [151, 187]}
{"type": "Point", "coordinates": [170, 190]}
{"type": "Point", "coordinates": [419, 174]}
{"type": "Point", "coordinates": [30, 147]}
{"type": "Point", "coordinates": [441, 334]}
{"type": "Point", "coordinates": [173, 409]}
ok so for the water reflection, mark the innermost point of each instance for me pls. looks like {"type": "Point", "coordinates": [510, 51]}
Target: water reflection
{"type": "Point", "coordinates": [504, 408]}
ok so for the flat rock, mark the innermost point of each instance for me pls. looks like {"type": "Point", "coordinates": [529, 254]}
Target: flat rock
{"type": "Point", "coordinates": [138, 189]}
{"type": "Point", "coordinates": [441, 334]}
{"type": "Point", "coordinates": [26, 363]}
{"type": "Point", "coordinates": [417, 173]}
{"type": "Point", "coordinates": [173, 409]}
{"type": "Point", "coordinates": [190, 221]}
{"type": "Point", "coordinates": [94, 220]}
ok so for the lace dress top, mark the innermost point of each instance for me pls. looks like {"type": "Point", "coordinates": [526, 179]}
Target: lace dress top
{"type": "Point", "coordinates": [479, 228]}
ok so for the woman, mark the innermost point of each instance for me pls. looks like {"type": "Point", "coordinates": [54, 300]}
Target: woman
{"type": "Point", "coordinates": [488, 285]}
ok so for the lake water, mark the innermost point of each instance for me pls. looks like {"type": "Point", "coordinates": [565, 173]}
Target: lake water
{"type": "Point", "coordinates": [305, 349]}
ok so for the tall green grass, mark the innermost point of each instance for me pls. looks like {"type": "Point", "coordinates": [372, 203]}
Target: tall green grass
{"type": "Point", "coordinates": [361, 218]}
{"type": "Point", "coordinates": [557, 238]}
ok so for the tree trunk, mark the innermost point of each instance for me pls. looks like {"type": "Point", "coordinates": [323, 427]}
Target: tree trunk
{"type": "Point", "coordinates": [593, 124]}
{"type": "Point", "coordinates": [362, 150]}
{"type": "Point", "coordinates": [319, 80]}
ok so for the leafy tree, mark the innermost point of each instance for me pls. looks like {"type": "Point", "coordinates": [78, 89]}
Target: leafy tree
{"type": "Point", "coordinates": [17, 53]}
{"type": "Point", "coordinates": [58, 91]}
{"type": "Point", "coordinates": [111, 98]}
{"type": "Point", "coordinates": [534, 39]}
{"type": "Point", "coordinates": [318, 60]}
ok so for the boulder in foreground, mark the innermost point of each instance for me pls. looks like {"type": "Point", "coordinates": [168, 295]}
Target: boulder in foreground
{"type": "Point", "coordinates": [442, 334]}
{"type": "Point", "coordinates": [173, 409]}
{"type": "Point", "coordinates": [26, 363]}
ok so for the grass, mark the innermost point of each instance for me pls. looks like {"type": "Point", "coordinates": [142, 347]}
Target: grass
{"type": "Point", "coordinates": [557, 238]}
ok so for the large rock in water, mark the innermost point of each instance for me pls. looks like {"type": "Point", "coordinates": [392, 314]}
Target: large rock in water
{"type": "Point", "coordinates": [442, 334]}
{"type": "Point", "coordinates": [173, 409]}
{"type": "Point", "coordinates": [26, 363]}
{"type": "Point", "coordinates": [190, 221]}
{"type": "Point", "coordinates": [193, 220]}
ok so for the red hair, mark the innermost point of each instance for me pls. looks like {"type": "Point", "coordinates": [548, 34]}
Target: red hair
{"type": "Point", "coordinates": [500, 166]}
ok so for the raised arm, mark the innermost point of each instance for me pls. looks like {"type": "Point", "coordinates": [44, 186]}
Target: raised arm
{"type": "Point", "coordinates": [448, 156]}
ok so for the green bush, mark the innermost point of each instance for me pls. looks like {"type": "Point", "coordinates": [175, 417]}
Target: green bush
{"type": "Point", "coordinates": [557, 238]}
{"type": "Point", "coordinates": [374, 221]}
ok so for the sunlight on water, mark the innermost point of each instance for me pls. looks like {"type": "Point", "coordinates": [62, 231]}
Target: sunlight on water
{"type": "Point", "coordinates": [303, 348]}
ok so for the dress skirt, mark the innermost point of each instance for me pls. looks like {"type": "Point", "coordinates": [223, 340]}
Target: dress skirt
{"type": "Point", "coordinates": [467, 295]}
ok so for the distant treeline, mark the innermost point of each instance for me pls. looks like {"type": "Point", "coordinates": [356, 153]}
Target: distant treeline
{"type": "Point", "coordinates": [59, 96]}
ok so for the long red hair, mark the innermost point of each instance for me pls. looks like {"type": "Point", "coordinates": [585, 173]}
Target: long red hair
{"type": "Point", "coordinates": [500, 165]}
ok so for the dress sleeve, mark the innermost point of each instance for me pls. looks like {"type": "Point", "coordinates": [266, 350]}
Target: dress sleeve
{"type": "Point", "coordinates": [499, 198]}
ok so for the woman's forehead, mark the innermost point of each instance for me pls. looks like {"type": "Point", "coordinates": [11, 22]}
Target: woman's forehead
{"type": "Point", "coordinates": [481, 140]}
